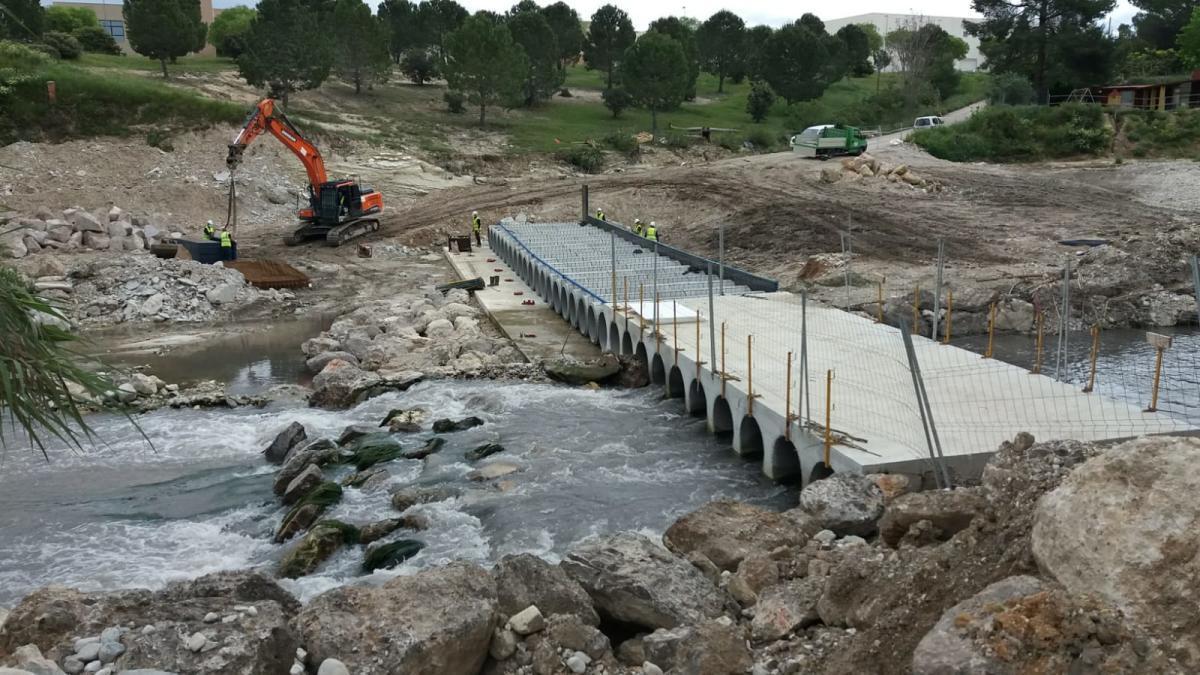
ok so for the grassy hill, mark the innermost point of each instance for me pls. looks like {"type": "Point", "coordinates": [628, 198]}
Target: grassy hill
{"type": "Point", "coordinates": [93, 90]}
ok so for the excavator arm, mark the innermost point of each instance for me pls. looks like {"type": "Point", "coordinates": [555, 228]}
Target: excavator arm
{"type": "Point", "coordinates": [264, 117]}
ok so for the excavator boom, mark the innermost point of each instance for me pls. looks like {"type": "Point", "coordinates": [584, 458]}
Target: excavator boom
{"type": "Point", "coordinates": [338, 210]}
{"type": "Point", "coordinates": [264, 117]}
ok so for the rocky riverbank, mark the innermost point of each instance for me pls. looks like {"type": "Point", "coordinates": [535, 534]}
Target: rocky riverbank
{"type": "Point", "coordinates": [861, 576]}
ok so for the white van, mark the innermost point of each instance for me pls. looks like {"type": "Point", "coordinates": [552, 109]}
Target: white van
{"type": "Point", "coordinates": [926, 122]}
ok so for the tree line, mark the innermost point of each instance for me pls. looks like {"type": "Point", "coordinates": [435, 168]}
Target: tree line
{"type": "Point", "coordinates": [1042, 48]}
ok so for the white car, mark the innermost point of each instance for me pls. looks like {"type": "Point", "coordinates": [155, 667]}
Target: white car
{"type": "Point", "coordinates": [927, 122]}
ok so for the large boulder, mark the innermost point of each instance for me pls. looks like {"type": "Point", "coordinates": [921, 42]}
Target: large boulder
{"type": "Point", "coordinates": [727, 531]}
{"type": "Point", "coordinates": [287, 439]}
{"type": "Point", "coordinates": [570, 371]}
{"type": "Point", "coordinates": [948, 511]}
{"type": "Point", "coordinates": [709, 648]}
{"type": "Point", "coordinates": [253, 637]}
{"type": "Point", "coordinates": [1021, 624]}
{"type": "Point", "coordinates": [947, 649]}
{"type": "Point", "coordinates": [1124, 526]}
{"type": "Point", "coordinates": [523, 580]}
{"type": "Point", "coordinates": [301, 485]}
{"type": "Point", "coordinates": [314, 453]}
{"type": "Point", "coordinates": [634, 580]}
{"type": "Point", "coordinates": [786, 607]}
{"type": "Point", "coordinates": [341, 384]}
{"type": "Point", "coordinates": [403, 498]}
{"type": "Point", "coordinates": [436, 622]}
{"type": "Point", "coordinates": [845, 503]}
{"type": "Point", "coordinates": [317, 363]}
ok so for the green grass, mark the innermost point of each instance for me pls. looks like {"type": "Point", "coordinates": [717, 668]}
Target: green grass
{"type": "Point", "coordinates": [560, 121]}
{"type": "Point", "coordinates": [93, 104]}
{"type": "Point", "coordinates": [185, 64]}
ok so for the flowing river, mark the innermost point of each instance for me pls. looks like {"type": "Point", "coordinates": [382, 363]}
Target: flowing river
{"type": "Point", "coordinates": [197, 497]}
{"type": "Point", "coordinates": [123, 514]}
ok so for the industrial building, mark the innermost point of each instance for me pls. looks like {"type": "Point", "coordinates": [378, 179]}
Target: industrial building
{"type": "Point", "coordinates": [112, 20]}
{"type": "Point", "coordinates": [886, 23]}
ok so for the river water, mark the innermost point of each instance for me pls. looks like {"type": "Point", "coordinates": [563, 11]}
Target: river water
{"type": "Point", "coordinates": [1125, 365]}
{"type": "Point", "coordinates": [123, 514]}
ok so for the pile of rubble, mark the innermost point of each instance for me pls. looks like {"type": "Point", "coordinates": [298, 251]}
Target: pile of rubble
{"type": "Point", "coordinates": [75, 229]}
{"type": "Point", "coordinates": [145, 288]}
{"type": "Point", "coordinates": [865, 167]}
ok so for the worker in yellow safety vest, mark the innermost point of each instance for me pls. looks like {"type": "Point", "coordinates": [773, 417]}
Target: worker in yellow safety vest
{"type": "Point", "coordinates": [638, 227]}
{"type": "Point", "coordinates": [226, 239]}
{"type": "Point", "coordinates": [600, 215]}
{"type": "Point", "coordinates": [652, 231]}
{"type": "Point", "coordinates": [476, 226]}
{"type": "Point", "coordinates": [210, 232]}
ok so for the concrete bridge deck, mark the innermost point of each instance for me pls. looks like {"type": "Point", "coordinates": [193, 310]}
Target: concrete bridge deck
{"type": "Point", "coordinates": [734, 371]}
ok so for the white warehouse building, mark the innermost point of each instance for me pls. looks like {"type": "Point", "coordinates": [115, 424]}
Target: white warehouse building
{"type": "Point", "coordinates": [886, 23]}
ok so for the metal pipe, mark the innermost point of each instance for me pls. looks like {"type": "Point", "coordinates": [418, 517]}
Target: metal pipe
{"type": "Point", "coordinates": [712, 322]}
{"type": "Point", "coordinates": [612, 237]}
{"type": "Point", "coordinates": [750, 374]}
{"type": "Point", "coordinates": [1095, 352]}
{"type": "Point", "coordinates": [991, 331]}
{"type": "Point", "coordinates": [828, 414]}
{"type": "Point", "coordinates": [1037, 362]}
{"type": "Point", "coordinates": [937, 286]}
{"type": "Point", "coordinates": [787, 405]}
{"type": "Point", "coordinates": [806, 391]}
{"type": "Point", "coordinates": [949, 316]}
{"type": "Point", "coordinates": [1158, 354]}
{"type": "Point", "coordinates": [721, 254]}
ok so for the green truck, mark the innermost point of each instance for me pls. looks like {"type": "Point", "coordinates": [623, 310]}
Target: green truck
{"type": "Point", "coordinates": [829, 140]}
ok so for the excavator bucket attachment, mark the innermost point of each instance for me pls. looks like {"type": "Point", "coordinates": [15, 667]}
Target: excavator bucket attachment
{"type": "Point", "coordinates": [269, 273]}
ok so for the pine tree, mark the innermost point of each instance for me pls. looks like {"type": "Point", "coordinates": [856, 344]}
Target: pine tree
{"type": "Point", "coordinates": [361, 45]}
{"type": "Point", "coordinates": [655, 73]}
{"type": "Point", "coordinates": [164, 29]}
{"type": "Point", "coordinates": [532, 32]}
{"type": "Point", "coordinates": [483, 62]}
{"type": "Point", "coordinates": [291, 50]}
{"type": "Point", "coordinates": [21, 20]}
{"type": "Point", "coordinates": [609, 35]}
{"type": "Point", "coordinates": [722, 42]}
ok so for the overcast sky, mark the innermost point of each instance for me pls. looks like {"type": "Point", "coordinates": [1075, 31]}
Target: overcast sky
{"type": "Point", "coordinates": [770, 12]}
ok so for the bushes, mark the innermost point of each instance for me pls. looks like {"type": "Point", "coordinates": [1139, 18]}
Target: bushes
{"type": "Point", "coordinates": [1007, 133]}
{"type": "Point", "coordinates": [1172, 134]}
{"type": "Point", "coordinates": [616, 100]}
{"type": "Point", "coordinates": [96, 40]}
{"type": "Point", "coordinates": [419, 66]}
{"type": "Point", "coordinates": [585, 157]}
{"type": "Point", "coordinates": [678, 141]}
{"type": "Point", "coordinates": [455, 101]}
{"type": "Point", "coordinates": [67, 46]}
{"type": "Point", "coordinates": [759, 101]}
{"type": "Point", "coordinates": [761, 139]}
{"type": "Point", "coordinates": [622, 142]}
{"type": "Point", "coordinates": [1009, 88]}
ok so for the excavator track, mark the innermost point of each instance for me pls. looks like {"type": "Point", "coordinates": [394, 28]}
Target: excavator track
{"type": "Point", "coordinates": [347, 231]}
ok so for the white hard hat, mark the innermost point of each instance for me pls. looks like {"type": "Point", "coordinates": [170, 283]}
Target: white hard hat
{"type": "Point", "coordinates": [652, 224]}
{"type": "Point", "coordinates": [210, 223]}
{"type": "Point", "coordinates": [474, 213]}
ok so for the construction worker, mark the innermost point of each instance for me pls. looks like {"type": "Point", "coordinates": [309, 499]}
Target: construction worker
{"type": "Point", "coordinates": [476, 226]}
{"type": "Point", "coordinates": [600, 215]}
{"type": "Point", "coordinates": [226, 239]}
{"type": "Point", "coordinates": [652, 231]}
{"type": "Point", "coordinates": [638, 228]}
{"type": "Point", "coordinates": [210, 232]}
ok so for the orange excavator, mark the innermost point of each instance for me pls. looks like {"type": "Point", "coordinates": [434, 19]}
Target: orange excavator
{"type": "Point", "coordinates": [338, 210]}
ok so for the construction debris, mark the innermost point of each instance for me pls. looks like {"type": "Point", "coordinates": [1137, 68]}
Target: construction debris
{"type": "Point", "coordinates": [866, 167]}
{"type": "Point", "coordinates": [75, 229]}
{"type": "Point", "coordinates": [145, 288]}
